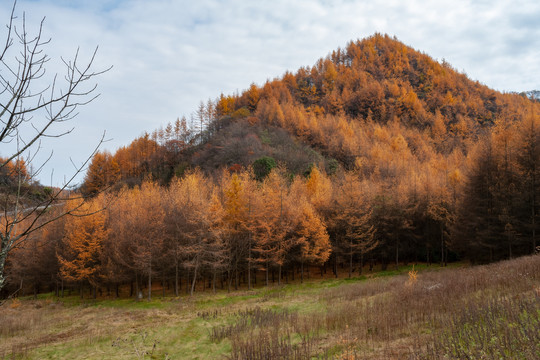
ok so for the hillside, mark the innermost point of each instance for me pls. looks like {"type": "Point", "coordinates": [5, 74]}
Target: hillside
{"type": "Point", "coordinates": [18, 188]}
{"type": "Point", "coordinates": [348, 104]}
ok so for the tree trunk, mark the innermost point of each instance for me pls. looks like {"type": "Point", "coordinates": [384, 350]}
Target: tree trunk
{"type": "Point", "coordinates": [442, 246]}
{"type": "Point", "coordinates": [384, 263]}
{"type": "Point", "coordinates": [533, 228]}
{"type": "Point", "coordinates": [150, 284]}
{"type": "Point", "coordinates": [229, 280]}
{"type": "Point", "coordinates": [302, 271]}
{"type": "Point", "coordinates": [187, 283]}
{"type": "Point", "coordinates": [236, 273]}
{"type": "Point", "coordinates": [194, 279]}
{"type": "Point", "coordinates": [335, 266]}
{"type": "Point", "coordinates": [350, 259]}
{"type": "Point", "coordinates": [249, 267]}
{"type": "Point", "coordinates": [137, 290]}
{"type": "Point", "coordinates": [176, 291]}
{"type": "Point", "coordinates": [397, 254]}
{"type": "Point", "coordinates": [163, 285]}
{"type": "Point", "coordinates": [361, 263]}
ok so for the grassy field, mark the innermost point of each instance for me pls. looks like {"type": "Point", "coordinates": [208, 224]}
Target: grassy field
{"type": "Point", "coordinates": [483, 312]}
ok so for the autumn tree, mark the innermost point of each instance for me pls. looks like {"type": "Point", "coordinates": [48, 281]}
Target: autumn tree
{"type": "Point", "coordinates": [238, 202]}
{"type": "Point", "coordinates": [391, 210]}
{"type": "Point", "coordinates": [251, 97]}
{"type": "Point", "coordinates": [195, 229]}
{"type": "Point", "coordinates": [137, 224]}
{"type": "Point", "coordinates": [476, 230]}
{"type": "Point", "coordinates": [310, 241]}
{"type": "Point", "coordinates": [440, 213]}
{"type": "Point", "coordinates": [214, 244]}
{"type": "Point", "coordinates": [138, 159]}
{"type": "Point", "coordinates": [203, 218]}
{"type": "Point", "coordinates": [506, 184]}
{"type": "Point", "coordinates": [351, 219]}
{"type": "Point", "coordinates": [225, 105]}
{"type": "Point", "coordinates": [273, 224]}
{"type": "Point", "coordinates": [34, 263]}
{"type": "Point", "coordinates": [80, 262]}
{"type": "Point", "coordinates": [102, 172]}
{"type": "Point", "coordinates": [175, 226]}
{"type": "Point", "coordinates": [528, 163]}
{"type": "Point", "coordinates": [318, 189]}
{"type": "Point", "coordinates": [14, 173]}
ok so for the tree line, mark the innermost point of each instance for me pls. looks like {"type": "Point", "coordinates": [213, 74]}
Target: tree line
{"type": "Point", "coordinates": [235, 229]}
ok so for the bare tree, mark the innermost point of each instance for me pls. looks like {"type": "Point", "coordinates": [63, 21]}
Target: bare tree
{"type": "Point", "coordinates": [31, 108]}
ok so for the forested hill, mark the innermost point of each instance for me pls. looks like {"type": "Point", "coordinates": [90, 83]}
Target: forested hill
{"type": "Point", "coordinates": [359, 104]}
{"type": "Point", "coordinates": [442, 159]}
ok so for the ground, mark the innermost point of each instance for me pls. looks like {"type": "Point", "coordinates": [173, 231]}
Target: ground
{"type": "Point", "coordinates": [487, 312]}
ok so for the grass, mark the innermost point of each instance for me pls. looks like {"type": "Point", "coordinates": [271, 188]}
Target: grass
{"type": "Point", "coordinates": [484, 312]}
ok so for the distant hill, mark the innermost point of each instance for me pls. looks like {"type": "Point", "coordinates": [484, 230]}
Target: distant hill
{"type": "Point", "coordinates": [532, 94]}
{"type": "Point", "coordinates": [18, 188]}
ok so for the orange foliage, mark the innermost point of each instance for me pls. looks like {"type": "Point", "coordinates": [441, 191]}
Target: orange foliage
{"type": "Point", "coordinates": [83, 239]}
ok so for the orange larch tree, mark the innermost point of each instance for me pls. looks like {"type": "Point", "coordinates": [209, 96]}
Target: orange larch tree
{"type": "Point", "coordinates": [312, 238]}
{"type": "Point", "coordinates": [274, 223]}
{"type": "Point", "coordinates": [351, 219]}
{"type": "Point", "coordinates": [83, 239]}
{"type": "Point", "coordinates": [238, 200]}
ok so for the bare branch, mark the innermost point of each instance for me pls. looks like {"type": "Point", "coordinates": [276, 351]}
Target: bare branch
{"type": "Point", "coordinates": [25, 105]}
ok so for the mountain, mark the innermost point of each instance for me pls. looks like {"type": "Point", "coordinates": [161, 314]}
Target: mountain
{"type": "Point", "coordinates": [349, 107]}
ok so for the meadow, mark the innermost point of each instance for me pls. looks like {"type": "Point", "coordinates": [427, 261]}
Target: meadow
{"type": "Point", "coordinates": [459, 312]}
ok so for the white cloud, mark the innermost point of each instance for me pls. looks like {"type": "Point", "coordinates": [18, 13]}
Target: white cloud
{"type": "Point", "coordinates": [168, 55]}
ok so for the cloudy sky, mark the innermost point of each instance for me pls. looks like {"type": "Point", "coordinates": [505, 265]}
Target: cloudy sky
{"type": "Point", "coordinates": [168, 55]}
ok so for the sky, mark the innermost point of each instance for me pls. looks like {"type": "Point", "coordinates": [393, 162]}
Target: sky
{"type": "Point", "coordinates": [168, 55]}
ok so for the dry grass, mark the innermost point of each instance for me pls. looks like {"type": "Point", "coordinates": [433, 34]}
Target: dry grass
{"type": "Point", "coordinates": [484, 312]}
{"type": "Point", "coordinates": [37, 324]}
{"type": "Point", "coordinates": [479, 313]}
